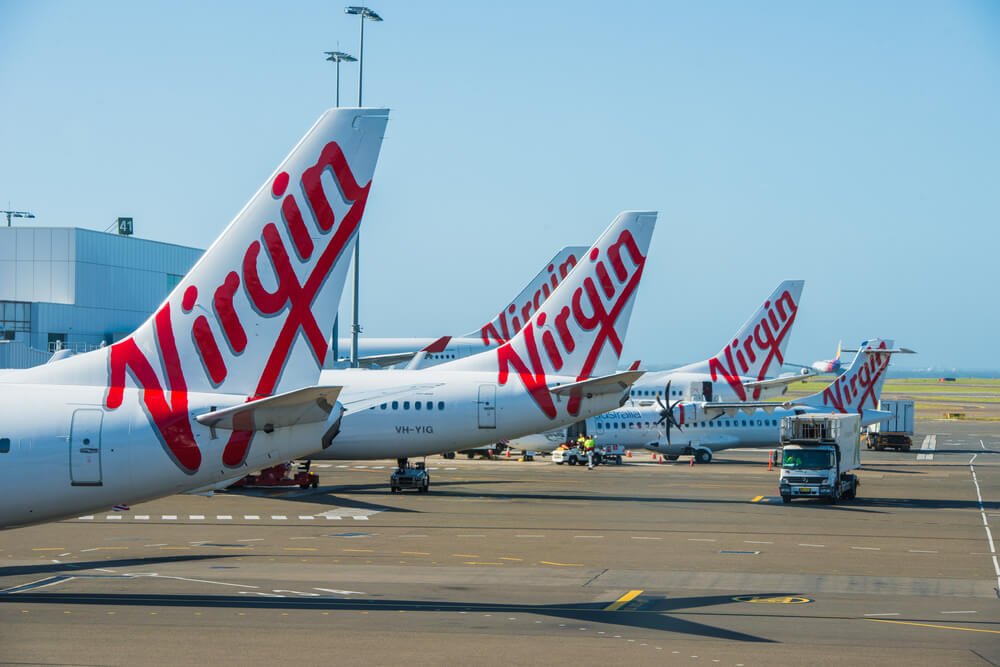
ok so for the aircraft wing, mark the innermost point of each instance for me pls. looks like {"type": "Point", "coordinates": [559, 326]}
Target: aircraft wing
{"type": "Point", "coordinates": [608, 384]}
{"type": "Point", "coordinates": [302, 406]}
{"type": "Point", "coordinates": [717, 409]}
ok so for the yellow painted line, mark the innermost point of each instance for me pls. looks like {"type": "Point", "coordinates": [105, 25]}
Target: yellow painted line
{"type": "Point", "coordinates": [466, 555]}
{"type": "Point", "coordinates": [623, 600]}
{"type": "Point", "coordinates": [114, 548]}
{"type": "Point", "coordinates": [546, 562]}
{"type": "Point", "coordinates": [474, 562]}
{"type": "Point", "coordinates": [416, 553]}
{"type": "Point", "coordinates": [928, 625]}
{"type": "Point", "coordinates": [47, 549]}
{"type": "Point", "coordinates": [756, 499]}
{"type": "Point", "coordinates": [365, 550]}
{"type": "Point", "coordinates": [507, 558]}
{"type": "Point", "coordinates": [300, 549]}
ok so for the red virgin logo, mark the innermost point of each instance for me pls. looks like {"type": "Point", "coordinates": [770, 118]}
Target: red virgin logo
{"type": "Point", "coordinates": [508, 328]}
{"type": "Point", "coordinates": [587, 319]}
{"type": "Point", "coordinates": [764, 342]}
{"type": "Point", "coordinates": [166, 404]}
{"type": "Point", "coordinates": [857, 388]}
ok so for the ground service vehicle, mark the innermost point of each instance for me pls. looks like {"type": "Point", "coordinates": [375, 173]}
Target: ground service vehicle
{"type": "Point", "coordinates": [817, 454]}
{"type": "Point", "coordinates": [410, 477]}
{"type": "Point", "coordinates": [895, 433]}
{"type": "Point", "coordinates": [602, 454]}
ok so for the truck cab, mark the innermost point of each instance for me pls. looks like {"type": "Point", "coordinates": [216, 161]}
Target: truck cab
{"type": "Point", "coordinates": [818, 452]}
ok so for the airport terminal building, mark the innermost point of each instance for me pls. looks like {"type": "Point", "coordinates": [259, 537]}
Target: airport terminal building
{"type": "Point", "coordinates": [73, 288]}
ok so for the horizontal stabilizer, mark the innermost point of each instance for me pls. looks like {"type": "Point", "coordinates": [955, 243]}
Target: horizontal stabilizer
{"type": "Point", "coordinates": [892, 350]}
{"type": "Point", "coordinates": [302, 406]}
{"type": "Point", "coordinates": [774, 383]}
{"type": "Point", "coordinates": [607, 384]}
{"type": "Point", "coordinates": [385, 360]}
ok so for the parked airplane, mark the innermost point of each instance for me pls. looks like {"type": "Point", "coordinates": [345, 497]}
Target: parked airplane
{"type": "Point", "coordinates": [740, 367]}
{"type": "Point", "coordinates": [238, 344]}
{"type": "Point", "coordinates": [825, 366]}
{"type": "Point", "coordinates": [560, 367]}
{"type": "Point", "coordinates": [385, 352]}
{"type": "Point", "coordinates": [702, 428]}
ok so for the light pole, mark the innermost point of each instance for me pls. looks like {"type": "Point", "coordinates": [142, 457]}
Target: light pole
{"type": "Point", "coordinates": [364, 13]}
{"type": "Point", "coordinates": [17, 214]}
{"type": "Point", "coordinates": [339, 57]}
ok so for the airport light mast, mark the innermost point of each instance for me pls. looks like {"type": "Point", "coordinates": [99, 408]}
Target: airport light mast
{"type": "Point", "coordinates": [17, 214]}
{"type": "Point", "coordinates": [339, 57]}
{"type": "Point", "coordinates": [364, 13]}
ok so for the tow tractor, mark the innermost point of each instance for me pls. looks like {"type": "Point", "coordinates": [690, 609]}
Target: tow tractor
{"type": "Point", "coordinates": [576, 456]}
{"type": "Point", "coordinates": [279, 476]}
{"type": "Point", "coordinates": [409, 477]}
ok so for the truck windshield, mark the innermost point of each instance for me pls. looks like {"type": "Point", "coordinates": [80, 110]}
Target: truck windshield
{"type": "Point", "coordinates": [808, 459]}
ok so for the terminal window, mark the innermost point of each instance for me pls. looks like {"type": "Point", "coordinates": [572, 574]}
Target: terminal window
{"type": "Point", "coordinates": [15, 316]}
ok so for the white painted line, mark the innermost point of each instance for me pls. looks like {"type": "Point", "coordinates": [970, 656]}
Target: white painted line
{"type": "Point", "coordinates": [360, 467]}
{"type": "Point", "coordinates": [958, 612]}
{"type": "Point", "coordinates": [920, 551]}
{"type": "Point", "coordinates": [334, 518]}
{"type": "Point", "coordinates": [86, 550]}
{"type": "Point", "coordinates": [66, 554]}
{"type": "Point", "coordinates": [306, 517]}
{"type": "Point", "coordinates": [812, 545]}
{"type": "Point", "coordinates": [250, 517]}
{"type": "Point", "coordinates": [402, 536]}
{"type": "Point", "coordinates": [196, 517]}
{"type": "Point", "coordinates": [141, 517]}
{"type": "Point", "coordinates": [224, 517]}
{"type": "Point", "coordinates": [756, 542]}
{"type": "Point", "coordinates": [451, 468]}
{"type": "Point", "coordinates": [986, 524]}
{"type": "Point", "coordinates": [322, 465]}
{"type": "Point", "coordinates": [342, 466]}
{"type": "Point", "coordinates": [360, 518]}
{"type": "Point", "coordinates": [588, 537]}
{"type": "Point", "coordinates": [474, 536]}
{"type": "Point", "coordinates": [930, 442]}
{"type": "Point", "coordinates": [700, 539]}
{"type": "Point", "coordinates": [279, 517]}
{"type": "Point", "coordinates": [169, 517]}
{"type": "Point", "coordinates": [891, 613]}
{"type": "Point", "coordinates": [89, 517]}
{"type": "Point", "coordinates": [161, 544]}
{"type": "Point", "coordinates": [252, 539]}
{"type": "Point", "coordinates": [636, 537]}
{"type": "Point", "coordinates": [383, 468]}
{"type": "Point", "coordinates": [113, 517]}
{"type": "Point", "coordinates": [867, 548]}
{"type": "Point", "coordinates": [529, 536]}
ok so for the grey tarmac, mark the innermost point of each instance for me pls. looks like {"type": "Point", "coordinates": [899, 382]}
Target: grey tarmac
{"type": "Point", "coordinates": [521, 563]}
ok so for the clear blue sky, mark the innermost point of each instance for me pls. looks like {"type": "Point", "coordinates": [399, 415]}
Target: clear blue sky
{"type": "Point", "coordinates": [855, 145]}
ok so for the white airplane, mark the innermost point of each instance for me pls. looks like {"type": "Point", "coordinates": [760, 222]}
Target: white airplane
{"type": "Point", "coordinates": [704, 428]}
{"type": "Point", "coordinates": [240, 339]}
{"type": "Point", "coordinates": [386, 352]}
{"type": "Point", "coordinates": [738, 372]}
{"type": "Point", "coordinates": [560, 367]}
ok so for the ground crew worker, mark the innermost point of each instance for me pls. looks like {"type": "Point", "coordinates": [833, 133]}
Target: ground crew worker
{"type": "Point", "coordinates": [588, 448]}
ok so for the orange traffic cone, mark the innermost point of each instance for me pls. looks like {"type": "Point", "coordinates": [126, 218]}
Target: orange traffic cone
{"type": "Point", "coordinates": [628, 454]}
{"type": "Point", "coordinates": [663, 459]}
{"type": "Point", "coordinates": [770, 459]}
{"type": "Point", "coordinates": [508, 452]}
{"type": "Point", "coordinates": [692, 461]}
{"type": "Point", "coordinates": [653, 456]}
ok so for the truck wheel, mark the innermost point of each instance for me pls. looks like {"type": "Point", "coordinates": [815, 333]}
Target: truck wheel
{"type": "Point", "coordinates": [559, 463]}
{"type": "Point", "coordinates": [393, 489]}
{"type": "Point", "coordinates": [673, 457]}
{"type": "Point", "coordinates": [786, 499]}
{"type": "Point", "coordinates": [618, 460]}
{"type": "Point", "coordinates": [572, 460]}
{"type": "Point", "coordinates": [702, 456]}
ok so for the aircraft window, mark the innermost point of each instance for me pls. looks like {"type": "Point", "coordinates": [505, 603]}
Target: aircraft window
{"type": "Point", "coordinates": [758, 422]}
{"type": "Point", "coordinates": [395, 405]}
{"type": "Point", "coordinates": [430, 405]}
{"type": "Point", "coordinates": [406, 405]}
{"type": "Point", "coordinates": [4, 445]}
{"type": "Point", "coordinates": [440, 405]}
{"type": "Point", "coordinates": [727, 422]}
{"type": "Point", "coordinates": [384, 406]}
{"type": "Point", "coordinates": [416, 405]}
{"type": "Point", "coordinates": [616, 424]}
{"type": "Point", "coordinates": [744, 422]}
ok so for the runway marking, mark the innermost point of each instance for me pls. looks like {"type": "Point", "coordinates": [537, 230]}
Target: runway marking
{"type": "Point", "coordinates": [47, 548]}
{"type": "Point", "coordinates": [930, 442]}
{"type": "Point", "coordinates": [929, 625]}
{"type": "Point", "coordinates": [300, 548]}
{"type": "Point", "coordinates": [113, 517]}
{"type": "Point", "coordinates": [638, 537]}
{"type": "Point", "coordinates": [920, 551]}
{"type": "Point", "coordinates": [473, 562]}
{"type": "Point", "coordinates": [250, 517]}
{"type": "Point", "coordinates": [545, 562]}
{"type": "Point", "coordinates": [623, 600]}
{"type": "Point", "coordinates": [169, 517]}
{"type": "Point", "coordinates": [306, 517]}
{"type": "Point", "coordinates": [867, 548]}
{"type": "Point", "coordinates": [416, 553]}
{"type": "Point", "coordinates": [224, 517]}
{"type": "Point", "coordinates": [360, 518]}
{"type": "Point", "coordinates": [360, 550]}
{"type": "Point", "coordinates": [756, 542]}
{"type": "Point", "coordinates": [813, 545]}
{"type": "Point", "coordinates": [252, 539]}
{"type": "Point", "coordinates": [891, 613]}
{"type": "Point", "coordinates": [958, 612]}
{"type": "Point", "coordinates": [986, 524]}
{"type": "Point", "coordinates": [700, 539]}
{"type": "Point", "coordinates": [141, 517]}
{"type": "Point", "coordinates": [342, 466]}
{"type": "Point", "coordinates": [529, 536]}
{"type": "Point", "coordinates": [402, 536]}
{"type": "Point", "coordinates": [339, 592]}
{"type": "Point", "coordinates": [466, 555]}
{"type": "Point", "coordinates": [89, 517]}
{"type": "Point", "coordinates": [279, 517]}
{"type": "Point", "coordinates": [756, 499]}
{"type": "Point", "coordinates": [196, 517]}
{"type": "Point", "coordinates": [588, 537]}
{"type": "Point", "coordinates": [509, 558]}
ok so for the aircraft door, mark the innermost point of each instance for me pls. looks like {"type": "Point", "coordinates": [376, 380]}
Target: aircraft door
{"type": "Point", "coordinates": [487, 406]}
{"type": "Point", "coordinates": [85, 448]}
{"type": "Point", "coordinates": [574, 431]}
{"type": "Point", "coordinates": [706, 391]}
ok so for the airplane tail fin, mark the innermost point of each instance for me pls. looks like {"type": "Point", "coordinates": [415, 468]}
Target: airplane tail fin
{"type": "Point", "coordinates": [578, 331]}
{"type": "Point", "coordinates": [840, 344]}
{"type": "Point", "coordinates": [860, 386]}
{"type": "Point", "coordinates": [252, 317]}
{"type": "Point", "coordinates": [759, 346]}
{"type": "Point", "coordinates": [515, 314]}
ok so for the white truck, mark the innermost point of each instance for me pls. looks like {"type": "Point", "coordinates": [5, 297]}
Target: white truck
{"type": "Point", "coordinates": [896, 432]}
{"type": "Point", "coordinates": [817, 454]}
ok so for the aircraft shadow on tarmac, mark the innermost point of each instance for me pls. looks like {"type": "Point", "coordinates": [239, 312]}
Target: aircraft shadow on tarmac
{"type": "Point", "coordinates": [79, 566]}
{"type": "Point", "coordinates": [653, 618]}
